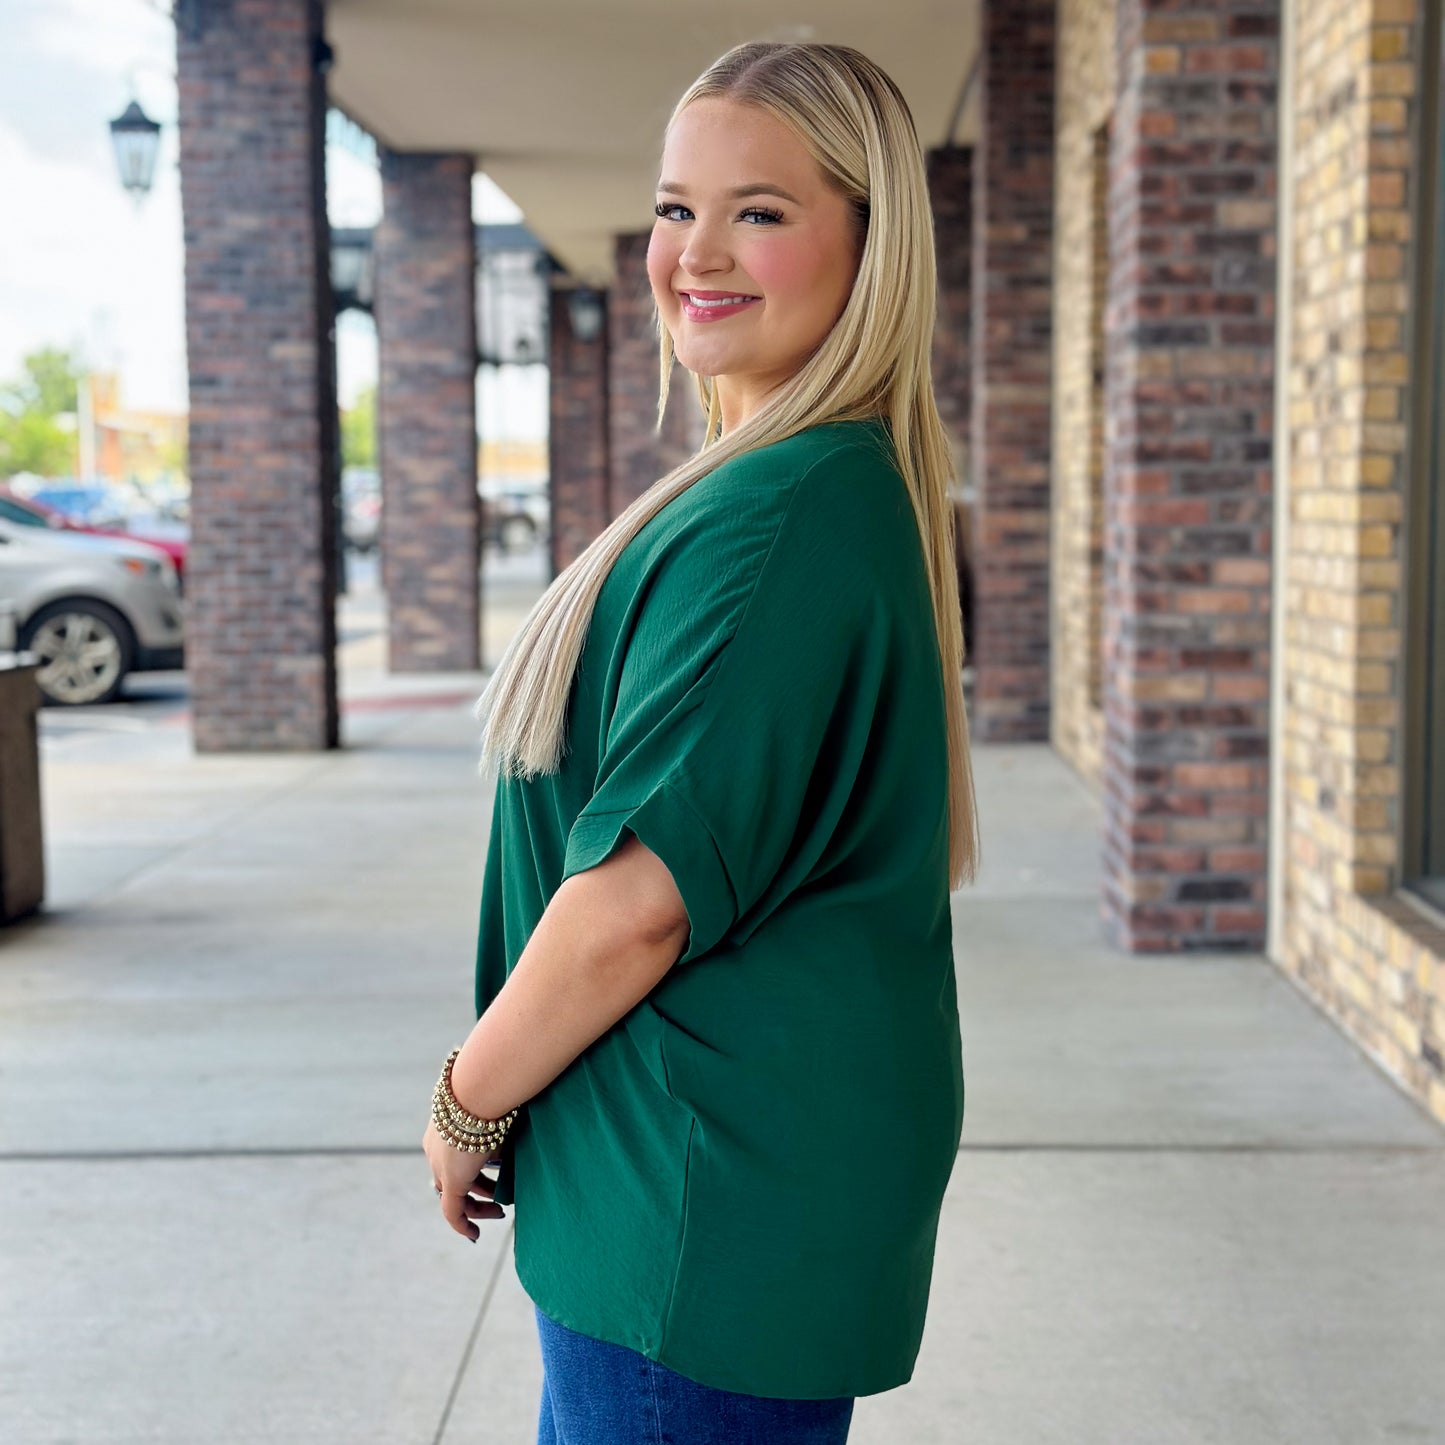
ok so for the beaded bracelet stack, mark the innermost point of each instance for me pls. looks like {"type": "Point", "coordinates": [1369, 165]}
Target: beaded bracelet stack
{"type": "Point", "coordinates": [460, 1129]}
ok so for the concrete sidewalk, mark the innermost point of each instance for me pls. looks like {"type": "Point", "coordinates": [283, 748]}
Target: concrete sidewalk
{"type": "Point", "coordinates": [1186, 1210]}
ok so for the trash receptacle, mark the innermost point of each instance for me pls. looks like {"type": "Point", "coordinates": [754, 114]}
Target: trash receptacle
{"type": "Point", "coordinates": [22, 847]}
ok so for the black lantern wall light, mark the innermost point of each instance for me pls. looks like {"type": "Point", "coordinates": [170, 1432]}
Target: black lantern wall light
{"type": "Point", "coordinates": [136, 139]}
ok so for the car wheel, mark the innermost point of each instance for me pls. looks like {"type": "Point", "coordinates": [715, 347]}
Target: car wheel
{"type": "Point", "coordinates": [516, 534]}
{"type": "Point", "coordinates": [84, 648]}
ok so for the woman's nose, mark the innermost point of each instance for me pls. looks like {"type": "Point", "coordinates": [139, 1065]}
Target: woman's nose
{"type": "Point", "coordinates": [704, 251]}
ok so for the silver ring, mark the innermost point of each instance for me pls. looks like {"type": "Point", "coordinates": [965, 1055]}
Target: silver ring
{"type": "Point", "coordinates": [437, 1187]}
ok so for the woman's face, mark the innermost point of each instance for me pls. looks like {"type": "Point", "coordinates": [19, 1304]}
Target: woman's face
{"type": "Point", "coordinates": [790, 244]}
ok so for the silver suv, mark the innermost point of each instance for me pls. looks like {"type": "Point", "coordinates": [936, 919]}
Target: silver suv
{"type": "Point", "coordinates": [91, 609]}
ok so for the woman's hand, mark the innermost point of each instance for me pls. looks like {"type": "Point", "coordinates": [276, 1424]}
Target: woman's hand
{"type": "Point", "coordinates": [459, 1176]}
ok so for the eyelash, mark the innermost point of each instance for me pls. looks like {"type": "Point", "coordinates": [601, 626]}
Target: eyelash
{"type": "Point", "coordinates": [662, 207]}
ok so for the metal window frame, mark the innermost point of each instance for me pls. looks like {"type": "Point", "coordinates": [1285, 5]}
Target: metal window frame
{"type": "Point", "coordinates": [1101, 141]}
{"type": "Point", "coordinates": [1423, 774]}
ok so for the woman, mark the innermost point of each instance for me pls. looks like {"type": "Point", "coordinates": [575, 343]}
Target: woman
{"type": "Point", "coordinates": [717, 1020]}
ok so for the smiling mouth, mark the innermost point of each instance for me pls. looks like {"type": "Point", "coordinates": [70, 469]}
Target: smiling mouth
{"type": "Point", "coordinates": [692, 299]}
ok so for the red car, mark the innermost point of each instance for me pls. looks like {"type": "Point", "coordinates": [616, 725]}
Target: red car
{"type": "Point", "coordinates": [27, 512]}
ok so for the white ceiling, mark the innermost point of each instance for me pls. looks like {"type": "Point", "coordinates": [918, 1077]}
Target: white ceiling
{"type": "Point", "coordinates": [563, 102]}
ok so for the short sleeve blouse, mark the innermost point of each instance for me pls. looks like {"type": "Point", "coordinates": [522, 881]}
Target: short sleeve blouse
{"type": "Point", "coordinates": [742, 1178]}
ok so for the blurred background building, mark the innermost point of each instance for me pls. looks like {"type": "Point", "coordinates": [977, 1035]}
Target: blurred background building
{"type": "Point", "coordinates": [126, 443]}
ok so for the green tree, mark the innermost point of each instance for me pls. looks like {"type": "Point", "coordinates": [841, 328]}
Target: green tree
{"type": "Point", "coordinates": [32, 436]}
{"type": "Point", "coordinates": [175, 456]}
{"type": "Point", "coordinates": [31, 442]}
{"type": "Point", "coordinates": [358, 430]}
{"type": "Point", "coordinates": [52, 376]}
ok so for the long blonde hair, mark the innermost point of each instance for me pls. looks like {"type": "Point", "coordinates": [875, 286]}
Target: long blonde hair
{"type": "Point", "coordinates": [875, 361]}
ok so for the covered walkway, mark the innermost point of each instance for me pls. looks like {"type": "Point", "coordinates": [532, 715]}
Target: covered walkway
{"type": "Point", "coordinates": [1188, 355]}
{"type": "Point", "coordinates": [1186, 1210]}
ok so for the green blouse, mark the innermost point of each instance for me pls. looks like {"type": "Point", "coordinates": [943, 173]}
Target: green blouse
{"type": "Point", "coordinates": [742, 1178]}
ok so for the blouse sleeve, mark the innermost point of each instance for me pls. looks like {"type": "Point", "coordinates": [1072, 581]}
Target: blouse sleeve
{"type": "Point", "coordinates": [741, 718]}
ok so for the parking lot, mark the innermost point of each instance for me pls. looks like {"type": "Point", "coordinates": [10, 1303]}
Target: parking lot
{"type": "Point", "coordinates": [511, 584]}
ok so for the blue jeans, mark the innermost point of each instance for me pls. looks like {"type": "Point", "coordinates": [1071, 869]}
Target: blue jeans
{"type": "Point", "coordinates": [597, 1393]}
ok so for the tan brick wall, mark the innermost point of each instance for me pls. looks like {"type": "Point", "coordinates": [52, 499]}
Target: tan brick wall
{"type": "Point", "coordinates": [1085, 101]}
{"type": "Point", "coordinates": [1354, 946]}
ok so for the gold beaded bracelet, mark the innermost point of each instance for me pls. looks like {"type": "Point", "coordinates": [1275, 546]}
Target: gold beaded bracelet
{"type": "Point", "coordinates": [468, 1140]}
{"type": "Point", "coordinates": [459, 1128]}
{"type": "Point", "coordinates": [446, 1105]}
{"type": "Point", "coordinates": [467, 1143]}
{"type": "Point", "coordinates": [447, 1124]}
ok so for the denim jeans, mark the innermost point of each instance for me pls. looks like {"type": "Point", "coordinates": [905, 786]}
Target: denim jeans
{"type": "Point", "coordinates": [597, 1393]}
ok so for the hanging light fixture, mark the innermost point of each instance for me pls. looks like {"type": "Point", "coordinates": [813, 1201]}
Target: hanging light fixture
{"type": "Point", "coordinates": [137, 140]}
{"type": "Point", "coordinates": [585, 311]}
{"type": "Point", "coordinates": [353, 267]}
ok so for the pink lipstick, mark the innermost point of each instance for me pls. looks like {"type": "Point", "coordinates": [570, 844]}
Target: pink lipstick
{"type": "Point", "coordinates": [714, 305]}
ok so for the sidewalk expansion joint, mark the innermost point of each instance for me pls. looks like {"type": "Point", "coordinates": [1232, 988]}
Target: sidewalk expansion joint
{"type": "Point", "coordinates": [302, 1151]}
{"type": "Point", "coordinates": [491, 1289]}
{"type": "Point", "coordinates": [1345, 1146]}
{"type": "Point", "coordinates": [283, 1151]}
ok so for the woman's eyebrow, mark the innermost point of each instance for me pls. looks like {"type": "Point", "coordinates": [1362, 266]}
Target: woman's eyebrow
{"type": "Point", "coordinates": [737, 193]}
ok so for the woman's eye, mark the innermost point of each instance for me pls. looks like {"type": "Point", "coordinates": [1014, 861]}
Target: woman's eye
{"type": "Point", "coordinates": [662, 208]}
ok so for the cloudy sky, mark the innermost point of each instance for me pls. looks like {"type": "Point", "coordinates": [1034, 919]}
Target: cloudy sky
{"type": "Point", "coordinates": [80, 262]}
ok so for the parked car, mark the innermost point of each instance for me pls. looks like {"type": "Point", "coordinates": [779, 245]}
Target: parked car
{"type": "Point", "coordinates": [84, 503]}
{"type": "Point", "coordinates": [92, 609]}
{"type": "Point", "coordinates": [33, 511]}
{"type": "Point", "coordinates": [506, 527]}
{"type": "Point", "coordinates": [361, 519]}
{"type": "Point", "coordinates": [361, 523]}
{"type": "Point", "coordinates": [361, 508]}
{"type": "Point", "coordinates": [172, 538]}
{"type": "Point", "coordinates": [514, 518]}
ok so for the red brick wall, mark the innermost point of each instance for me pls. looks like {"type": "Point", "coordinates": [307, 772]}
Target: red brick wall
{"type": "Point", "coordinates": [638, 456]}
{"type": "Point", "coordinates": [1013, 199]}
{"type": "Point", "coordinates": [577, 439]}
{"type": "Point", "coordinates": [950, 188]}
{"type": "Point", "coordinates": [261, 574]}
{"type": "Point", "coordinates": [1189, 395]}
{"type": "Point", "coordinates": [426, 412]}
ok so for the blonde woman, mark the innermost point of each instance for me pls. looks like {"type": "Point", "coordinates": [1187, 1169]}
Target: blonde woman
{"type": "Point", "coordinates": [717, 1021]}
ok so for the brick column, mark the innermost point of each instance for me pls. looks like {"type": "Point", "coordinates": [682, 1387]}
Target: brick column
{"type": "Point", "coordinates": [1013, 201]}
{"type": "Point", "coordinates": [638, 456]}
{"type": "Point", "coordinates": [261, 574]}
{"type": "Point", "coordinates": [577, 431]}
{"type": "Point", "coordinates": [426, 413]}
{"type": "Point", "coordinates": [950, 189]}
{"type": "Point", "coordinates": [1189, 396]}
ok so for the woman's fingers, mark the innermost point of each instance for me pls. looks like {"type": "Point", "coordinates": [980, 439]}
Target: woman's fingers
{"type": "Point", "coordinates": [482, 1208]}
{"type": "Point", "coordinates": [457, 1207]}
{"type": "Point", "coordinates": [460, 1205]}
{"type": "Point", "coordinates": [455, 1215]}
{"type": "Point", "coordinates": [464, 1192]}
